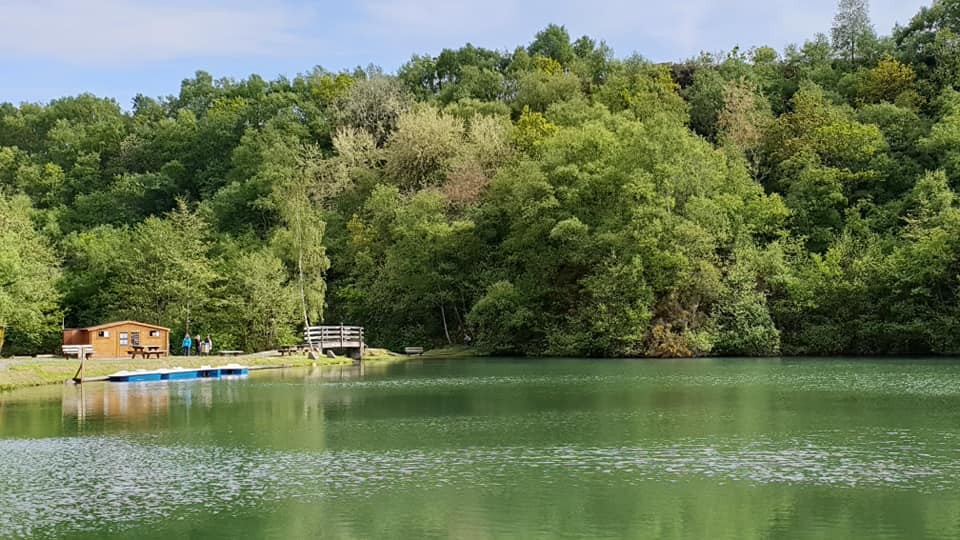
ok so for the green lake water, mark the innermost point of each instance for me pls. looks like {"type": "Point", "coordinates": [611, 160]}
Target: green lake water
{"type": "Point", "coordinates": [712, 449]}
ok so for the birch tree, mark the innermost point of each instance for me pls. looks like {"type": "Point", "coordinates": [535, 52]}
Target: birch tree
{"type": "Point", "coordinates": [297, 194]}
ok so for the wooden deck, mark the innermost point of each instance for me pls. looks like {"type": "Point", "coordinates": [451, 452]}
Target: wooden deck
{"type": "Point", "coordinates": [348, 339]}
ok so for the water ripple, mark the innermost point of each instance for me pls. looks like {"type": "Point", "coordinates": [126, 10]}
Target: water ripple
{"type": "Point", "coordinates": [926, 384]}
{"type": "Point", "coordinates": [112, 482]}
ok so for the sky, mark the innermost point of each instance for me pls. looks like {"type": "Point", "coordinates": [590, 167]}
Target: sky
{"type": "Point", "coordinates": [121, 48]}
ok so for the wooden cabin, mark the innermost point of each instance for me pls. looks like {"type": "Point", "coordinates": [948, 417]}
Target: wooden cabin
{"type": "Point", "coordinates": [116, 339]}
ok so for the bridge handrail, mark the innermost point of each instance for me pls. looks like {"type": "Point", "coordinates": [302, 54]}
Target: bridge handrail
{"type": "Point", "coordinates": [336, 328]}
{"type": "Point", "coordinates": [334, 331]}
{"type": "Point", "coordinates": [340, 333]}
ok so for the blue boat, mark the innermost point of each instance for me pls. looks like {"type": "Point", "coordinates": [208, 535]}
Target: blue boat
{"type": "Point", "coordinates": [234, 369]}
{"type": "Point", "coordinates": [135, 376]}
{"type": "Point", "coordinates": [179, 374]}
{"type": "Point", "coordinates": [209, 373]}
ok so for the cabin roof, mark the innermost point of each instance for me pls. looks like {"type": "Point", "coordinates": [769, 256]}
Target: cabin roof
{"type": "Point", "coordinates": [118, 323]}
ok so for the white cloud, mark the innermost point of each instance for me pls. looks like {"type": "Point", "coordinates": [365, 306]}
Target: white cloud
{"type": "Point", "coordinates": [110, 32]}
{"type": "Point", "coordinates": [659, 29]}
{"type": "Point", "coordinates": [426, 26]}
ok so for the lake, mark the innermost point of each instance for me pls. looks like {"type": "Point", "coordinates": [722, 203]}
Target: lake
{"type": "Point", "coordinates": [496, 448]}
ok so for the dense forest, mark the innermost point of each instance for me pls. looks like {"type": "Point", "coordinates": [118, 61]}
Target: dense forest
{"type": "Point", "coordinates": [550, 200]}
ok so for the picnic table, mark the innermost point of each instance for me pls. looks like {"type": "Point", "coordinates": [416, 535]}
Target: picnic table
{"type": "Point", "coordinates": [146, 351]}
{"type": "Point", "coordinates": [231, 353]}
{"type": "Point", "coordinates": [289, 350]}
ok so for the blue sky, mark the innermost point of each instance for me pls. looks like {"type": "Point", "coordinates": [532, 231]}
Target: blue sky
{"type": "Point", "coordinates": [118, 48]}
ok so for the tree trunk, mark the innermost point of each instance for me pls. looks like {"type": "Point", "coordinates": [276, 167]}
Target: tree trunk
{"type": "Point", "coordinates": [446, 332]}
{"type": "Point", "coordinates": [303, 291]}
{"type": "Point", "coordinates": [2, 334]}
{"type": "Point", "coordinates": [459, 318]}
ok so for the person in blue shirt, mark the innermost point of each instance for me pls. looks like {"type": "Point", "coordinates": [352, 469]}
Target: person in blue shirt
{"type": "Point", "coordinates": [187, 344]}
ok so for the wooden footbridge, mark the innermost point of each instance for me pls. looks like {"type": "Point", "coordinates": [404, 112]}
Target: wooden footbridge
{"type": "Point", "coordinates": [345, 339]}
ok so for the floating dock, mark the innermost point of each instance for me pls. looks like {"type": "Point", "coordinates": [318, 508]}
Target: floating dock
{"type": "Point", "coordinates": [179, 374]}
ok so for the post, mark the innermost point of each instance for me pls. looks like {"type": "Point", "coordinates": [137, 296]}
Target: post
{"type": "Point", "coordinates": [82, 355]}
{"type": "Point", "coordinates": [81, 409]}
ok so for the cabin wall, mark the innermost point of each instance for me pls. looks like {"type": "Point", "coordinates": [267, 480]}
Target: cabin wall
{"type": "Point", "coordinates": [119, 338]}
{"type": "Point", "coordinates": [104, 346]}
{"type": "Point", "coordinates": [75, 336]}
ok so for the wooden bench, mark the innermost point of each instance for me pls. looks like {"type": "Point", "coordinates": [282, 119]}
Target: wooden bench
{"type": "Point", "coordinates": [82, 352]}
{"type": "Point", "coordinates": [413, 350]}
{"type": "Point", "coordinates": [231, 353]}
{"type": "Point", "coordinates": [289, 350]}
{"type": "Point", "coordinates": [76, 350]}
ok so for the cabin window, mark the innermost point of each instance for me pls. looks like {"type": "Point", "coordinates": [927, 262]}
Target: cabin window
{"type": "Point", "coordinates": [135, 338]}
{"type": "Point", "coordinates": [124, 338]}
{"type": "Point", "coordinates": [154, 333]}
{"type": "Point", "coordinates": [103, 333]}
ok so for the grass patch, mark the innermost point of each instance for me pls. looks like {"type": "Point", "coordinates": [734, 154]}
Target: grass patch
{"type": "Point", "coordinates": [453, 351]}
{"type": "Point", "coordinates": [384, 356]}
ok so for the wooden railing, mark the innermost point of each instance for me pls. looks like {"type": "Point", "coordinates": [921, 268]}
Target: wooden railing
{"type": "Point", "coordinates": [329, 337]}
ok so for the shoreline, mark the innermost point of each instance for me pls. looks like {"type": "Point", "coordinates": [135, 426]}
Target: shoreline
{"type": "Point", "coordinates": [29, 372]}
{"type": "Point", "coordinates": [17, 373]}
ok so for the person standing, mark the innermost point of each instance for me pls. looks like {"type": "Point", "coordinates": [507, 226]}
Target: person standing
{"type": "Point", "coordinates": [187, 344]}
{"type": "Point", "coordinates": [208, 345]}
